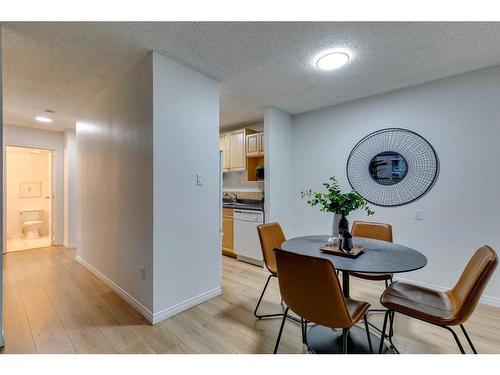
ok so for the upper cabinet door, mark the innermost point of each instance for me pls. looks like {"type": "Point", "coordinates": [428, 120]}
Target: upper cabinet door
{"type": "Point", "coordinates": [226, 156]}
{"type": "Point", "coordinates": [237, 150]}
{"type": "Point", "coordinates": [261, 142]}
{"type": "Point", "coordinates": [253, 146]}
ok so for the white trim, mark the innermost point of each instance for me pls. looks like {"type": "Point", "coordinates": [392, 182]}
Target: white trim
{"type": "Point", "coordinates": [2, 341]}
{"type": "Point", "coordinates": [243, 190]}
{"type": "Point", "coordinates": [145, 312]}
{"type": "Point", "coordinates": [69, 246]}
{"type": "Point", "coordinates": [487, 300]}
{"type": "Point", "coordinates": [180, 307]}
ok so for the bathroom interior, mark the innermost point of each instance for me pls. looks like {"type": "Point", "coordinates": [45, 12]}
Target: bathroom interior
{"type": "Point", "coordinates": [28, 198]}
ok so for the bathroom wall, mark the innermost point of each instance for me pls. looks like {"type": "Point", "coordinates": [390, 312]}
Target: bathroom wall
{"type": "Point", "coordinates": [24, 166]}
{"type": "Point", "coordinates": [36, 138]}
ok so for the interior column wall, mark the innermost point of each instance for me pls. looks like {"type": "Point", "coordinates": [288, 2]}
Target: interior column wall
{"type": "Point", "coordinates": [279, 169]}
{"type": "Point", "coordinates": [115, 187]}
{"type": "Point", "coordinates": [187, 255]}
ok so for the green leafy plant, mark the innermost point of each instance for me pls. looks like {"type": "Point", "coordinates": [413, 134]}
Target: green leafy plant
{"type": "Point", "coordinates": [333, 200]}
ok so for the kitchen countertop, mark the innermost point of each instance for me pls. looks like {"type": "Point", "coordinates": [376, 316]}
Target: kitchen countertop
{"type": "Point", "coordinates": [245, 204]}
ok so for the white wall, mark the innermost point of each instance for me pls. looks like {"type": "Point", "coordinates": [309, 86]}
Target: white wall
{"type": "Point", "coordinates": [115, 186]}
{"type": "Point", "coordinates": [187, 257]}
{"type": "Point", "coordinates": [35, 138]}
{"type": "Point", "coordinates": [70, 214]}
{"type": "Point", "coordinates": [460, 117]}
{"type": "Point", "coordinates": [1, 196]}
{"type": "Point", "coordinates": [279, 169]}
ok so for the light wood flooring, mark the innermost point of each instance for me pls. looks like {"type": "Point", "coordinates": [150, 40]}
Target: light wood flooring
{"type": "Point", "coordinates": [53, 305]}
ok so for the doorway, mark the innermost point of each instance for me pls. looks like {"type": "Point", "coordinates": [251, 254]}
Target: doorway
{"type": "Point", "coordinates": [29, 213]}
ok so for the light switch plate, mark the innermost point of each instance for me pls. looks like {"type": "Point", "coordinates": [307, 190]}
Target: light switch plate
{"type": "Point", "coordinates": [200, 179]}
{"type": "Point", "coordinates": [418, 214]}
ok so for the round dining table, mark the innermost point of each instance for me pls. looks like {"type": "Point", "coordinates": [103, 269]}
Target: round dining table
{"type": "Point", "coordinates": [378, 257]}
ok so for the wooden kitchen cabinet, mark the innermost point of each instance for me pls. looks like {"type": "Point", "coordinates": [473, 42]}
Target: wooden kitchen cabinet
{"type": "Point", "coordinates": [253, 147]}
{"type": "Point", "coordinates": [226, 155]}
{"type": "Point", "coordinates": [255, 144]}
{"type": "Point", "coordinates": [237, 150]}
{"type": "Point", "coordinates": [228, 233]}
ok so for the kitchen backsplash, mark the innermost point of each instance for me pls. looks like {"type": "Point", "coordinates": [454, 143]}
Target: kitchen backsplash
{"type": "Point", "coordinates": [237, 183]}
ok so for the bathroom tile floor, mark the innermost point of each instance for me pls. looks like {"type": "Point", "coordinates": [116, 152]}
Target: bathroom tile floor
{"type": "Point", "coordinates": [17, 243]}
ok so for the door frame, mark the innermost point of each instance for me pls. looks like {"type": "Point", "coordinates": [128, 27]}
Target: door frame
{"type": "Point", "coordinates": [53, 181]}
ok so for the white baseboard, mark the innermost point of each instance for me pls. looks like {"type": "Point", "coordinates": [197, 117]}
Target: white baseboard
{"type": "Point", "coordinates": [69, 245]}
{"type": "Point", "coordinates": [173, 310]}
{"type": "Point", "coordinates": [145, 312]}
{"type": "Point", "coordinates": [2, 342]}
{"type": "Point", "coordinates": [486, 300]}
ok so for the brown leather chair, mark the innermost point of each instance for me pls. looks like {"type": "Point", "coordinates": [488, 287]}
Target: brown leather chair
{"type": "Point", "coordinates": [309, 286]}
{"type": "Point", "coordinates": [271, 236]}
{"type": "Point", "coordinates": [444, 309]}
{"type": "Point", "coordinates": [376, 231]}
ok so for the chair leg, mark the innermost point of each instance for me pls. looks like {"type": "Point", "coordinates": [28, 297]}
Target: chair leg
{"type": "Point", "coordinates": [260, 300]}
{"type": "Point", "coordinates": [302, 330]}
{"type": "Point", "coordinates": [468, 339]}
{"type": "Point", "coordinates": [303, 326]}
{"type": "Point", "coordinates": [382, 337]}
{"type": "Point", "coordinates": [281, 331]}
{"type": "Point", "coordinates": [391, 326]}
{"type": "Point", "coordinates": [365, 318]}
{"type": "Point", "coordinates": [345, 331]}
{"type": "Point", "coordinates": [456, 339]}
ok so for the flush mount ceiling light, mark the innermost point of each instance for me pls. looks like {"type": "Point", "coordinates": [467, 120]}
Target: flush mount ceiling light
{"type": "Point", "coordinates": [43, 119]}
{"type": "Point", "coordinates": [332, 60]}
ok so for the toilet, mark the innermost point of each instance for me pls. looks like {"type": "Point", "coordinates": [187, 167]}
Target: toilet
{"type": "Point", "coordinates": [31, 222]}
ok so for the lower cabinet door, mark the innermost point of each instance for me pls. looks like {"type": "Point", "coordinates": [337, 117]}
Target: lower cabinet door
{"type": "Point", "coordinates": [228, 236]}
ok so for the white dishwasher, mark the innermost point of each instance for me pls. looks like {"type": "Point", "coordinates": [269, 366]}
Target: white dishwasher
{"type": "Point", "coordinates": [246, 238]}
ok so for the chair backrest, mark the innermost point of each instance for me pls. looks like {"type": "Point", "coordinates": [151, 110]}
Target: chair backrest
{"type": "Point", "coordinates": [467, 291]}
{"type": "Point", "coordinates": [310, 287]}
{"type": "Point", "coordinates": [271, 236]}
{"type": "Point", "coordinates": [376, 231]}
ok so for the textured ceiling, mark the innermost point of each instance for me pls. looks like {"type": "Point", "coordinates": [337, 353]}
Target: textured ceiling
{"type": "Point", "coordinates": [60, 66]}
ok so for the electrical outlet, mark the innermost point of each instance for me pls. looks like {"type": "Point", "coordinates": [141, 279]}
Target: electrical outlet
{"type": "Point", "coordinates": [200, 179]}
{"type": "Point", "coordinates": [142, 273]}
{"type": "Point", "coordinates": [418, 214]}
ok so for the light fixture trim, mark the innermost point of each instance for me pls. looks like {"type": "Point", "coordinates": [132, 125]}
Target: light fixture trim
{"type": "Point", "coordinates": [332, 59]}
{"type": "Point", "coordinates": [43, 119]}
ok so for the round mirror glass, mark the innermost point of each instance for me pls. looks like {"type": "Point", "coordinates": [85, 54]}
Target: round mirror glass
{"type": "Point", "coordinates": [388, 168]}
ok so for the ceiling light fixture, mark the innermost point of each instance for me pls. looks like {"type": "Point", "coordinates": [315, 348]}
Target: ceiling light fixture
{"type": "Point", "coordinates": [43, 119]}
{"type": "Point", "coordinates": [332, 60]}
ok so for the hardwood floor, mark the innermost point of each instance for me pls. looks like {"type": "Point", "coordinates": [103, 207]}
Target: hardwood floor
{"type": "Point", "coordinates": [53, 305]}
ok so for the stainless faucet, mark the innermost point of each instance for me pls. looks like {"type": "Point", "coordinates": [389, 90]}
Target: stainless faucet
{"type": "Point", "coordinates": [233, 197]}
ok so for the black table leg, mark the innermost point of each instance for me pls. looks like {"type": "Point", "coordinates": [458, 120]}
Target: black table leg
{"type": "Point", "coordinates": [329, 341]}
{"type": "Point", "coordinates": [345, 283]}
